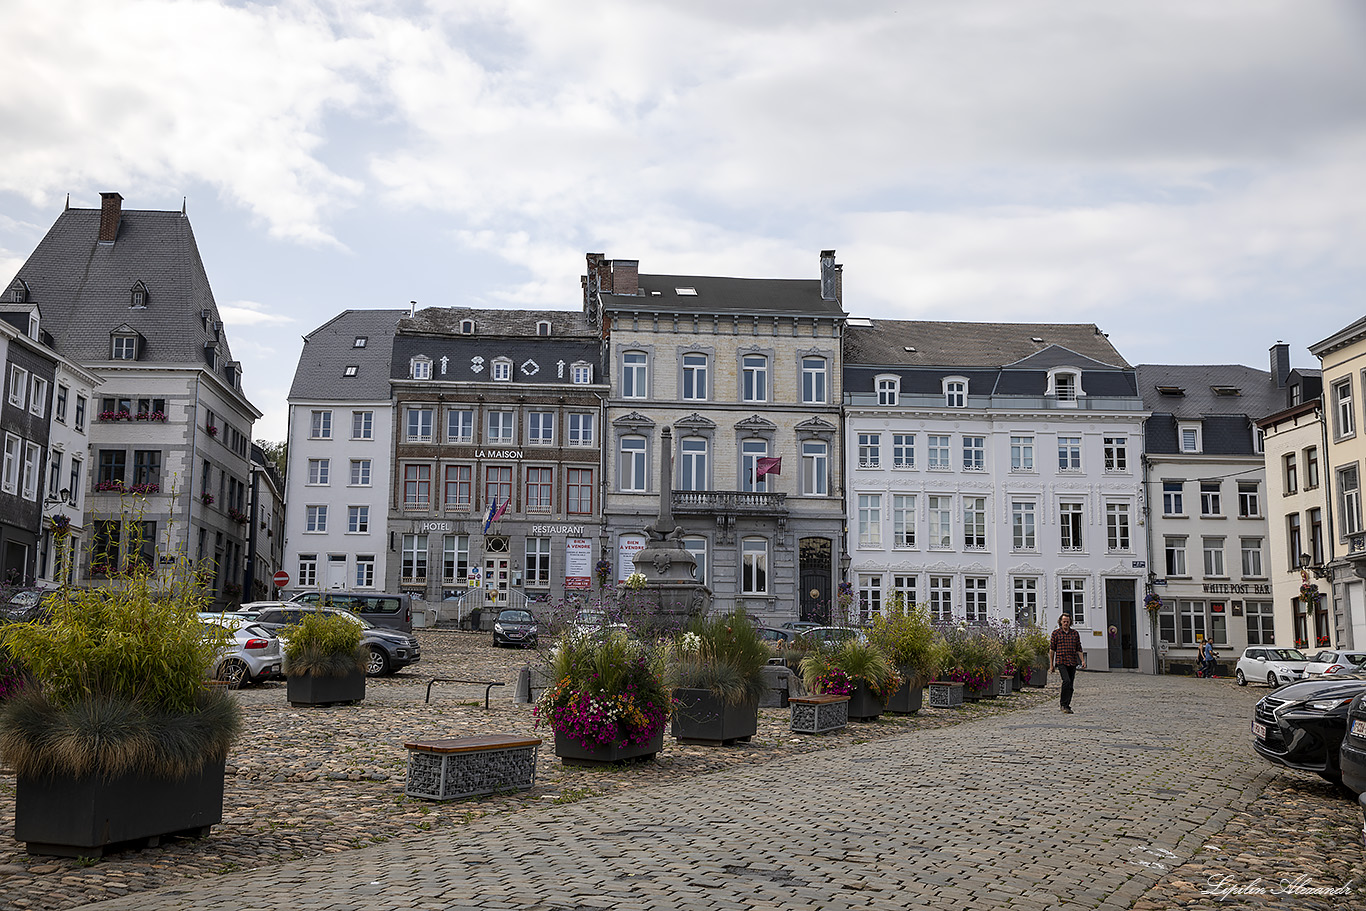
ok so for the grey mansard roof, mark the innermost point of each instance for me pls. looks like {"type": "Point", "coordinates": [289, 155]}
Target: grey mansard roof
{"type": "Point", "coordinates": [468, 357]}
{"type": "Point", "coordinates": [962, 344]}
{"type": "Point", "coordinates": [331, 348]}
{"type": "Point", "coordinates": [1226, 419]}
{"type": "Point", "coordinates": [760, 296]}
{"type": "Point", "coordinates": [490, 322]}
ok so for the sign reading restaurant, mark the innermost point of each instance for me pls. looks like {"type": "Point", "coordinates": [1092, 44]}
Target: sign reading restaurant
{"type": "Point", "coordinates": [557, 529]}
{"type": "Point", "coordinates": [1225, 588]}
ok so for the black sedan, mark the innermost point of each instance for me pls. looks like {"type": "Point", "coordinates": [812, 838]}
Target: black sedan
{"type": "Point", "coordinates": [1302, 725]}
{"type": "Point", "coordinates": [1352, 758]}
{"type": "Point", "coordinates": [515, 627]}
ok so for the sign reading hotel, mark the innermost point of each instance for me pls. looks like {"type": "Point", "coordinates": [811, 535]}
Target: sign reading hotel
{"type": "Point", "coordinates": [578, 564]}
{"type": "Point", "coordinates": [627, 548]}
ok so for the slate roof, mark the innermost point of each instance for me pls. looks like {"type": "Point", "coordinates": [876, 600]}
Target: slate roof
{"type": "Point", "coordinates": [763, 296]}
{"type": "Point", "coordinates": [487, 322]}
{"type": "Point", "coordinates": [966, 344]}
{"type": "Point", "coordinates": [331, 348]}
{"type": "Point", "coordinates": [469, 358]}
{"type": "Point", "coordinates": [1226, 420]}
{"type": "Point", "coordinates": [84, 287]}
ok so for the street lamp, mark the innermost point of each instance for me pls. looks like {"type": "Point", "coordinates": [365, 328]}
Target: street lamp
{"type": "Point", "coordinates": [845, 560]}
{"type": "Point", "coordinates": [61, 497]}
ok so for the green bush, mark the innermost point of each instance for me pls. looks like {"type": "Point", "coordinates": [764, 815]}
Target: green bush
{"type": "Point", "coordinates": [859, 661]}
{"type": "Point", "coordinates": [906, 635]}
{"type": "Point", "coordinates": [723, 654]}
{"type": "Point", "coordinates": [324, 644]}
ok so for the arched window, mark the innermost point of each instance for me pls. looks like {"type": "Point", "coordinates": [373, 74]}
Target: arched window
{"type": "Point", "coordinates": [955, 392]}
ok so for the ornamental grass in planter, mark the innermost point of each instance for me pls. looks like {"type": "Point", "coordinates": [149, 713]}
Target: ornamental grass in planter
{"type": "Point", "coordinates": [609, 700]}
{"type": "Point", "coordinates": [855, 668]}
{"type": "Point", "coordinates": [324, 661]}
{"type": "Point", "coordinates": [116, 739]}
{"type": "Point", "coordinates": [973, 656]}
{"type": "Point", "coordinates": [1028, 651]}
{"type": "Point", "coordinates": [716, 672]}
{"type": "Point", "coordinates": [906, 635]}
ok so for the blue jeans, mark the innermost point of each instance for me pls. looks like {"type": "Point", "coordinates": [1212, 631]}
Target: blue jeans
{"type": "Point", "coordinates": [1069, 676]}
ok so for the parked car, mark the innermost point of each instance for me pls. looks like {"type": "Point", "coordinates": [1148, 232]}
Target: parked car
{"type": "Point", "coordinates": [1352, 753]}
{"type": "Point", "coordinates": [390, 650]}
{"type": "Point", "coordinates": [822, 636]}
{"type": "Point", "coordinates": [1335, 662]}
{"type": "Point", "coordinates": [515, 627]}
{"type": "Point", "coordinates": [1302, 726]}
{"type": "Point", "coordinates": [1276, 666]}
{"type": "Point", "coordinates": [391, 611]}
{"type": "Point", "coordinates": [799, 625]}
{"type": "Point", "coordinates": [775, 637]}
{"type": "Point", "coordinates": [251, 654]}
{"type": "Point", "coordinates": [28, 605]}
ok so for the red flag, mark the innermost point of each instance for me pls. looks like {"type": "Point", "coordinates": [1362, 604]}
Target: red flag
{"type": "Point", "coordinates": [502, 509]}
{"type": "Point", "coordinates": [767, 465]}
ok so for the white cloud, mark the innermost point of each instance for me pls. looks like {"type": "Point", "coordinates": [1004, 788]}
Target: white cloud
{"type": "Point", "coordinates": [251, 313]}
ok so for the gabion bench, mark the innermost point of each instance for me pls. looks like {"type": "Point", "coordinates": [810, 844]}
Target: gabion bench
{"type": "Point", "coordinates": [460, 767]}
{"type": "Point", "coordinates": [819, 714]}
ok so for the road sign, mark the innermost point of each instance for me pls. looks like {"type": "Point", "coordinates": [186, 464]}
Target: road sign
{"type": "Point", "coordinates": [281, 579]}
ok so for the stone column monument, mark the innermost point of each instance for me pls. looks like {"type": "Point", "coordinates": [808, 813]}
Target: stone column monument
{"type": "Point", "coordinates": [671, 591]}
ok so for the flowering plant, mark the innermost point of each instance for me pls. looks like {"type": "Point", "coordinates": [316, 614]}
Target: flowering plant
{"type": "Point", "coordinates": [1301, 643]}
{"type": "Point", "coordinates": [722, 654]}
{"type": "Point", "coordinates": [151, 416]}
{"type": "Point", "coordinates": [236, 516]}
{"type": "Point", "coordinates": [1308, 591]}
{"type": "Point", "coordinates": [1152, 602]}
{"type": "Point", "coordinates": [604, 572]}
{"type": "Point", "coordinates": [636, 581]}
{"type": "Point", "coordinates": [149, 487]}
{"type": "Point", "coordinates": [832, 682]}
{"type": "Point", "coordinates": [211, 430]}
{"type": "Point", "coordinates": [206, 498]}
{"type": "Point", "coordinates": [907, 637]}
{"type": "Point", "coordinates": [109, 485]}
{"type": "Point", "coordinates": [119, 415]}
{"type": "Point", "coordinates": [857, 661]}
{"type": "Point", "coordinates": [1323, 641]}
{"type": "Point", "coordinates": [60, 525]}
{"type": "Point", "coordinates": [608, 689]}
{"type": "Point", "coordinates": [973, 679]}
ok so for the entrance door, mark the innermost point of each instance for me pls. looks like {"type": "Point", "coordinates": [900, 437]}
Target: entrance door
{"type": "Point", "coordinates": [815, 574]}
{"type": "Point", "coordinates": [1121, 622]}
{"type": "Point", "coordinates": [496, 580]}
{"type": "Point", "coordinates": [336, 571]}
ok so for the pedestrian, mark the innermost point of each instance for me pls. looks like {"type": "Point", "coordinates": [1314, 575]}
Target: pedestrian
{"type": "Point", "coordinates": [1207, 658]}
{"type": "Point", "coordinates": [1064, 653]}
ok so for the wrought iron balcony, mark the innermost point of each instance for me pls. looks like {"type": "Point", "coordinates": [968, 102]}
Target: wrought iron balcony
{"type": "Point", "coordinates": [742, 502]}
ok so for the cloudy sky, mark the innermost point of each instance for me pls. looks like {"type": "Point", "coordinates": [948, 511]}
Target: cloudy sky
{"type": "Point", "coordinates": [1189, 175]}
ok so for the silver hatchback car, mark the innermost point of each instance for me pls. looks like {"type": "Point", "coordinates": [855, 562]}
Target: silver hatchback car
{"type": "Point", "coordinates": [250, 654]}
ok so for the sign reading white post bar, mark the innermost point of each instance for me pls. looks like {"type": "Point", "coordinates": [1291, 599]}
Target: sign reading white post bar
{"type": "Point", "coordinates": [578, 564]}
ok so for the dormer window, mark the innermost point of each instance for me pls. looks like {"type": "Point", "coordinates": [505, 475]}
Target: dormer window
{"type": "Point", "coordinates": [33, 326]}
{"type": "Point", "coordinates": [360, 341]}
{"type": "Point", "coordinates": [1170, 390]}
{"type": "Point", "coordinates": [888, 390]}
{"type": "Point", "coordinates": [125, 348]}
{"type": "Point", "coordinates": [18, 292]}
{"type": "Point", "coordinates": [1064, 384]}
{"type": "Point", "coordinates": [1226, 390]}
{"type": "Point", "coordinates": [581, 373]}
{"type": "Point", "coordinates": [467, 327]}
{"type": "Point", "coordinates": [1188, 432]}
{"type": "Point", "coordinates": [420, 368]}
{"type": "Point", "coordinates": [955, 392]}
{"type": "Point", "coordinates": [211, 355]}
{"type": "Point", "coordinates": [138, 296]}
{"type": "Point", "coordinates": [502, 369]}
{"type": "Point", "coordinates": [543, 327]}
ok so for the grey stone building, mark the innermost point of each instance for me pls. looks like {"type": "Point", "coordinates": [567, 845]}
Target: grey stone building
{"type": "Point", "coordinates": [747, 373]}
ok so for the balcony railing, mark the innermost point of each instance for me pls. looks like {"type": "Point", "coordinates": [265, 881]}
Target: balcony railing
{"type": "Point", "coordinates": [739, 501]}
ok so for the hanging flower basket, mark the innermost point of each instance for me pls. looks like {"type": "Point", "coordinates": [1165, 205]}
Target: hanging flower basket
{"type": "Point", "coordinates": [1152, 602]}
{"type": "Point", "coordinates": [60, 526]}
{"type": "Point", "coordinates": [206, 499]}
{"type": "Point", "coordinates": [604, 572]}
{"type": "Point", "coordinates": [1308, 592]}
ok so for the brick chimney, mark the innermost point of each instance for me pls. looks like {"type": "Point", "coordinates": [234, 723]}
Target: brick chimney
{"type": "Point", "coordinates": [832, 277]}
{"type": "Point", "coordinates": [626, 276]}
{"type": "Point", "coordinates": [111, 210]}
{"type": "Point", "coordinates": [1280, 364]}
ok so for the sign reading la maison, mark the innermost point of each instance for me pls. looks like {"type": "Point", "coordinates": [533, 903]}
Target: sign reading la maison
{"type": "Point", "coordinates": [1225, 588]}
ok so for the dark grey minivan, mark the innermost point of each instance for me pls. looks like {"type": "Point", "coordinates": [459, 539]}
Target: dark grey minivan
{"type": "Point", "coordinates": [390, 611]}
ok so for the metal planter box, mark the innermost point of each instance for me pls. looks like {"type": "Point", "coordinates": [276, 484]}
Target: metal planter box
{"type": "Point", "coordinates": [305, 689]}
{"type": "Point", "coordinates": [1007, 685]}
{"type": "Point", "coordinates": [573, 753]}
{"type": "Point", "coordinates": [907, 700]}
{"type": "Point", "coordinates": [864, 704]}
{"type": "Point", "coordinates": [470, 766]}
{"type": "Point", "coordinates": [819, 714]}
{"type": "Point", "coordinates": [87, 817]}
{"type": "Point", "coordinates": [945, 694]}
{"type": "Point", "coordinates": [699, 717]}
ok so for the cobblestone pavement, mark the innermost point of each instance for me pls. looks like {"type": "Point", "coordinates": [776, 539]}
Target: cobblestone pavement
{"type": "Point", "coordinates": [1135, 801]}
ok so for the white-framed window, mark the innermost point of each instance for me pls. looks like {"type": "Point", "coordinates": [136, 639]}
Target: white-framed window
{"type": "Point", "coordinates": [1173, 501]}
{"type": "Point", "coordinates": [500, 371]}
{"type": "Point", "coordinates": [888, 390]}
{"type": "Point", "coordinates": [18, 385]}
{"type": "Point", "coordinates": [360, 472]}
{"type": "Point", "coordinates": [903, 450]}
{"type": "Point", "coordinates": [1252, 557]}
{"type": "Point", "coordinates": [308, 570]}
{"type": "Point", "coordinates": [581, 429]}
{"type": "Point", "coordinates": [754, 378]}
{"type": "Point", "coordinates": [1189, 436]}
{"type": "Point", "coordinates": [125, 348]}
{"type": "Point", "coordinates": [365, 571]}
{"type": "Point", "coordinates": [1210, 500]}
{"type": "Point", "coordinates": [539, 490]}
{"type": "Point", "coordinates": [1291, 472]}
{"type": "Point", "coordinates": [870, 520]}
{"type": "Point", "coordinates": [692, 463]}
{"type": "Point", "coordinates": [543, 327]}
{"type": "Point", "coordinates": [1022, 525]}
{"type": "Point", "coordinates": [975, 523]}
{"type": "Point", "coordinates": [37, 400]}
{"type": "Point", "coordinates": [695, 376]}
{"type": "Point", "coordinates": [33, 455]}
{"type": "Point", "coordinates": [1021, 453]}
{"type": "Point", "coordinates": [634, 375]}
{"type": "Point", "coordinates": [1025, 592]}
{"type": "Point", "coordinates": [537, 563]}
{"type": "Point", "coordinates": [955, 392]}
{"type": "Point", "coordinates": [1261, 622]}
{"type": "Point", "coordinates": [467, 327]}
{"type": "Point", "coordinates": [1074, 600]}
{"type": "Point", "coordinates": [1349, 499]}
{"type": "Point", "coordinates": [362, 425]}
{"type": "Point", "coordinates": [1345, 422]}
{"type": "Point", "coordinates": [1191, 615]}
{"type": "Point", "coordinates": [320, 425]}
{"type": "Point", "coordinates": [1069, 453]}
{"type": "Point", "coordinates": [502, 427]}
{"type": "Point", "coordinates": [754, 566]}
{"type": "Point", "coordinates": [1117, 537]}
{"type": "Point", "coordinates": [903, 521]}
{"type": "Point", "coordinates": [360, 341]}
{"type": "Point", "coordinates": [581, 374]}
{"type": "Point", "coordinates": [869, 596]}
{"type": "Point", "coordinates": [632, 474]}
{"type": "Point", "coordinates": [1065, 385]}
{"type": "Point", "coordinates": [1116, 453]}
{"type": "Point", "coordinates": [455, 558]}
{"type": "Point", "coordinates": [815, 468]}
{"type": "Point", "coordinates": [1249, 501]}
{"type": "Point", "coordinates": [1175, 552]}
{"type": "Point", "coordinates": [1311, 467]}
{"type": "Point", "coordinates": [357, 520]}
{"type": "Point", "coordinates": [540, 428]}
{"type": "Point", "coordinates": [59, 404]}
{"type": "Point", "coordinates": [941, 598]}
{"type": "Point", "coordinates": [1071, 523]}
{"type": "Point", "coordinates": [420, 424]}
{"type": "Point", "coordinates": [937, 447]}
{"type": "Point", "coordinates": [974, 453]}
{"type": "Point", "coordinates": [414, 565]}
{"type": "Point", "coordinates": [904, 589]}
{"type": "Point", "coordinates": [697, 546]}
{"type": "Point", "coordinates": [318, 471]}
{"type": "Point", "coordinates": [975, 599]}
{"type": "Point", "coordinates": [815, 381]}
{"type": "Point", "coordinates": [315, 519]}
{"type": "Point", "coordinates": [420, 368]}
{"type": "Point", "coordinates": [459, 425]}
{"type": "Point", "coordinates": [940, 510]}
{"type": "Point", "coordinates": [869, 450]}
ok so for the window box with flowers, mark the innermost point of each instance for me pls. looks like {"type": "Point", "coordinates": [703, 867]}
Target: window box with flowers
{"type": "Point", "coordinates": [211, 430]}
{"type": "Point", "coordinates": [119, 415]}
{"type": "Point", "coordinates": [239, 517]}
{"type": "Point", "coordinates": [151, 416]}
{"type": "Point", "coordinates": [111, 486]}
{"type": "Point", "coordinates": [149, 487]}
{"type": "Point", "coordinates": [206, 499]}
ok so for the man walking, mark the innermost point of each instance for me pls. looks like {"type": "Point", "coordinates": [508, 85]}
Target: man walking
{"type": "Point", "coordinates": [1064, 653]}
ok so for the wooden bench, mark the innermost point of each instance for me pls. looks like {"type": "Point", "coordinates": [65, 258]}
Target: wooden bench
{"type": "Point", "coordinates": [459, 767]}
{"type": "Point", "coordinates": [819, 714]}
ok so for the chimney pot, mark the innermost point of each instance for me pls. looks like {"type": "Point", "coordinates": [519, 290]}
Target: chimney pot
{"type": "Point", "coordinates": [111, 212]}
{"type": "Point", "coordinates": [1280, 364]}
{"type": "Point", "coordinates": [831, 277]}
{"type": "Point", "coordinates": [626, 276]}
